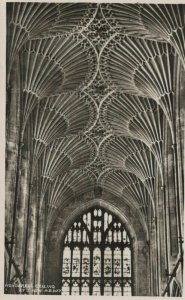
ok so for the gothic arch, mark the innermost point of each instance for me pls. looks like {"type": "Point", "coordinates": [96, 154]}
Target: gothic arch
{"type": "Point", "coordinates": [137, 234]}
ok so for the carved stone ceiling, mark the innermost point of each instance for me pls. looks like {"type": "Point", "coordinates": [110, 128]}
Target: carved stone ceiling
{"type": "Point", "coordinates": [96, 88]}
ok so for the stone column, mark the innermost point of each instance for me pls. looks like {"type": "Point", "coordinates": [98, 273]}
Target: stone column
{"type": "Point", "coordinates": [12, 145]}
{"type": "Point", "coordinates": [178, 145]}
{"type": "Point", "coordinates": [154, 289]}
{"type": "Point", "coordinates": [180, 133]}
{"type": "Point", "coordinates": [39, 263]}
{"type": "Point", "coordinates": [30, 250]}
{"type": "Point", "coordinates": [21, 214]}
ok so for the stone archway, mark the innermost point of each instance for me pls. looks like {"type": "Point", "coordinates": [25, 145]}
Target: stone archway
{"type": "Point", "coordinates": [131, 222]}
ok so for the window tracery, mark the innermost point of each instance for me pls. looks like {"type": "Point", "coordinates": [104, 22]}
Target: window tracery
{"type": "Point", "coordinates": [96, 256]}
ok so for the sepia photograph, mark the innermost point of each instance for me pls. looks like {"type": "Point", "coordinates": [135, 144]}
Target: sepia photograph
{"type": "Point", "coordinates": [94, 163]}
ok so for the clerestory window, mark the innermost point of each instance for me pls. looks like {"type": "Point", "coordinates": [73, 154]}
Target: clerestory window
{"type": "Point", "coordinates": [96, 256]}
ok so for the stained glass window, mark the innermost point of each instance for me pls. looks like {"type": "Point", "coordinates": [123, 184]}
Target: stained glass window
{"type": "Point", "coordinates": [108, 262]}
{"type": "Point", "coordinates": [76, 262]}
{"type": "Point", "coordinates": [85, 288]}
{"type": "Point", "coordinates": [96, 288]}
{"type": "Point", "coordinates": [117, 262]}
{"type": "Point", "coordinates": [66, 262]}
{"type": "Point", "coordinates": [108, 289]}
{"type": "Point", "coordinates": [86, 262]}
{"type": "Point", "coordinates": [96, 256]}
{"type": "Point", "coordinates": [75, 288]}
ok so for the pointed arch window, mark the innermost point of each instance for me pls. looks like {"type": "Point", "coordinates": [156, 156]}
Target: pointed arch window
{"type": "Point", "coordinates": [97, 256]}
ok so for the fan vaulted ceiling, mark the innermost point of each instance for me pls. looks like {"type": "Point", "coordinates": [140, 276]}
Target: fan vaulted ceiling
{"type": "Point", "coordinates": [96, 88]}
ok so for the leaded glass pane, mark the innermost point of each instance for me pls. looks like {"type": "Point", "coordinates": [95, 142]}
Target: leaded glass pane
{"type": "Point", "coordinates": [79, 235]}
{"type": "Point", "coordinates": [127, 290]}
{"type": "Point", "coordinates": [124, 236]}
{"type": "Point", "coordinates": [86, 262]}
{"type": "Point", "coordinates": [76, 262]}
{"type": "Point", "coordinates": [66, 262]}
{"type": "Point", "coordinates": [99, 212]}
{"type": "Point", "coordinates": [127, 262]}
{"type": "Point", "coordinates": [65, 288]}
{"type": "Point", "coordinates": [85, 218]}
{"type": "Point", "coordinates": [96, 288]}
{"type": "Point", "coordinates": [75, 235]}
{"type": "Point", "coordinates": [75, 289]}
{"type": "Point", "coordinates": [89, 221]}
{"type": "Point", "coordinates": [117, 262]}
{"type": "Point", "coordinates": [99, 237]}
{"type": "Point", "coordinates": [69, 235]}
{"type": "Point", "coordinates": [85, 288]}
{"type": "Point", "coordinates": [84, 234]}
{"type": "Point", "coordinates": [105, 221]}
{"type": "Point", "coordinates": [95, 236]}
{"type": "Point", "coordinates": [110, 236]}
{"type": "Point", "coordinates": [117, 289]}
{"type": "Point", "coordinates": [119, 236]}
{"type": "Point", "coordinates": [110, 219]}
{"type": "Point", "coordinates": [108, 289]}
{"type": "Point", "coordinates": [96, 262]}
{"type": "Point", "coordinates": [108, 262]}
{"type": "Point", "coordinates": [115, 237]}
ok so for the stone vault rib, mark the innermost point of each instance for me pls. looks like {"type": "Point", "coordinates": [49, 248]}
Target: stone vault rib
{"type": "Point", "coordinates": [69, 62]}
{"type": "Point", "coordinates": [140, 67]}
{"type": "Point", "coordinates": [67, 187]}
{"type": "Point", "coordinates": [139, 117]}
{"type": "Point", "coordinates": [64, 154]}
{"type": "Point", "coordinates": [130, 155]}
{"type": "Point", "coordinates": [56, 117]}
{"type": "Point", "coordinates": [128, 186]}
{"type": "Point", "coordinates": [30, 20]}
{"type": "Point", "coordinates": [163, 22]}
